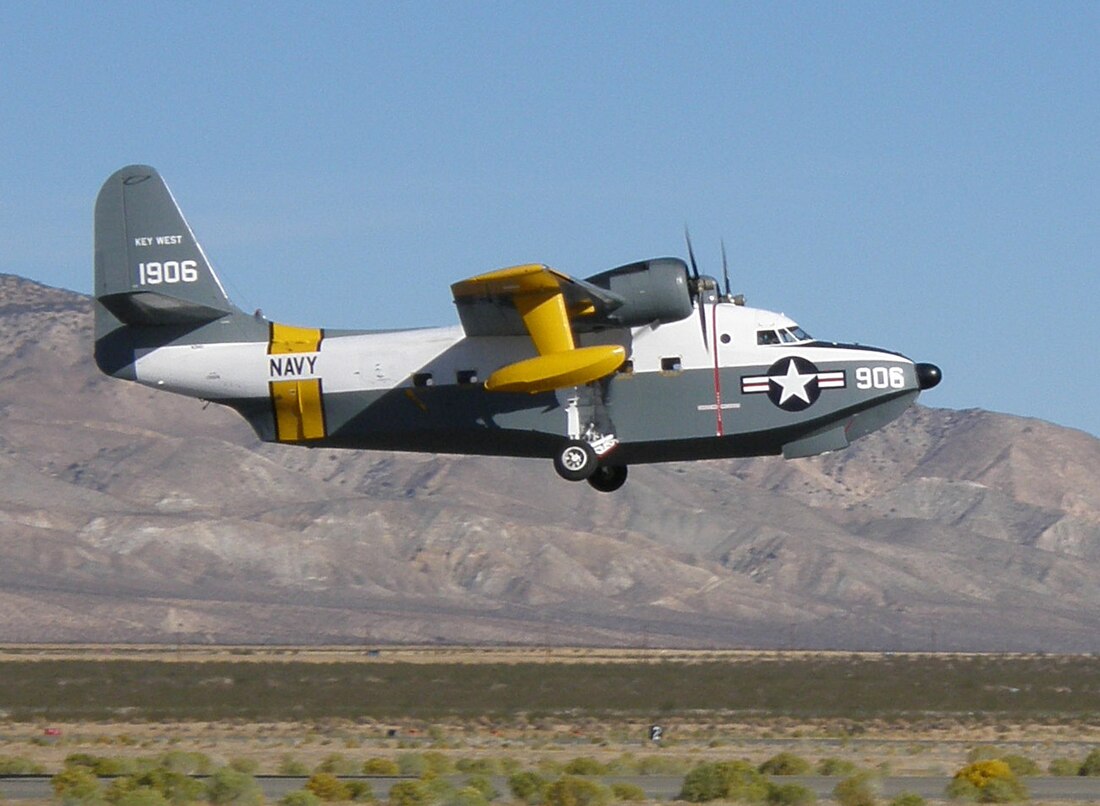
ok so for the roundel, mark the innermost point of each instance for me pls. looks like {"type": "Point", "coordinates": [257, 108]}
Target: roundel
{"type": "Point", "coordinates": [792, 383]}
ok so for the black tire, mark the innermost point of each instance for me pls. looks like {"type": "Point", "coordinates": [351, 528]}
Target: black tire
{"type": "Point", "coordinates": [608, 478]}
{"type": "Point", "coordinates": [576, 460]}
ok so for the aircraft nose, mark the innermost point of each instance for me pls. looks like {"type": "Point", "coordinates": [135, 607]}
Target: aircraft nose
{"type": "Point", "coordinates": [928, 375]}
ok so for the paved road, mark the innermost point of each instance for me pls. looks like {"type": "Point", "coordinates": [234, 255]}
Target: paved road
{"type": "Point", "coordinates": [658, 787]}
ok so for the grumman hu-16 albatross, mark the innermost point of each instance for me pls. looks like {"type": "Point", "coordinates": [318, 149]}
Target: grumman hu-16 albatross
{"type": "Point", "coordinates": [648, 362]}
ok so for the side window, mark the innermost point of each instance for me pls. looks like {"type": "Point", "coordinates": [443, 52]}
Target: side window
{"type": "Point", "coordinates": [423, 379]}
{"type": "Point", "coordinates": [672, 364]}
{"type": "Point", "coordinates": [767, 337]}
{"type": "Point", "coordinates": [467, 376]}
{"type": "Point", "coordinates": [627, 368]}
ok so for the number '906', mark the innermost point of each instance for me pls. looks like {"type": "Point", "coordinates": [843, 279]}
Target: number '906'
{"type": "Point", "coordinates": [880, 378]}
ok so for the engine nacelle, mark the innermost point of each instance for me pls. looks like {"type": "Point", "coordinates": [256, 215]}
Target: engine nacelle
{"type": "Point", "coordinates": [655, 290]}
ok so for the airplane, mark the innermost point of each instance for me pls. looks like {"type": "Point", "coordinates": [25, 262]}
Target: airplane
{"type": "Point", "coordinates": [647, 362]}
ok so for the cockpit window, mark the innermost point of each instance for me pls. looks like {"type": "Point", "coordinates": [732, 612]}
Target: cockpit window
{"type": "Point", "coordinates": [801, 334]}
{"type": "Point", "coordinates": [767, 337]}
{"type": "Point", "coordinates": [787, 337]}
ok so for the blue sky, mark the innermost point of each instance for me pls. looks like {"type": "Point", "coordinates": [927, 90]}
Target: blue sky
{"type": "Point", "coordinates": [918, 176]}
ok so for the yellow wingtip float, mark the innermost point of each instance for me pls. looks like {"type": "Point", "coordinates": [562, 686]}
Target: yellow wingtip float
{"type": "Point", "coordinates": [545, 373]}
{"type": "Point", "coordinates": [536, 291]}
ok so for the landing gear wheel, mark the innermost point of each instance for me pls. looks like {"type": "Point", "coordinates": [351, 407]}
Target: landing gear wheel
{"type": "Point", "coordinates": [576, 461]}
{"type": "Point", "coordinates": [608, 478]}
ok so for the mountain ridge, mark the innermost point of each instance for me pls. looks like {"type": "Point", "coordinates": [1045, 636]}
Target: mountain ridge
{"type": "Point", "coordinates": [130, 515]}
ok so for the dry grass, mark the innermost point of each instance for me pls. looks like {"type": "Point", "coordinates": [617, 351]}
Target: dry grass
{"type": "Point", "coordinates": [536, 705]}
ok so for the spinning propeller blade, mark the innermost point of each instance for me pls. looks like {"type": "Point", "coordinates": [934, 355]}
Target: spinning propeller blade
{"type": "Point", "coordinates": [697, 283]}
{"type": "Point", "coordinates": [725, 269]}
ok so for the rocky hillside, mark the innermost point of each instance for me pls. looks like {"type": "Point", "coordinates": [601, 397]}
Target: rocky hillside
{"type": "Point", "coordinates": [127, 515]}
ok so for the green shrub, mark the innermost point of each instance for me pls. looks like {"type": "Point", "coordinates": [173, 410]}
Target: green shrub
{"type": "Point", "coordinates": [1003, 790]}
{"type": "Point", "coordinates": [549, 767]}
{"type": "Point", "coordinates": [410, 793]}
{"type": "Point", "coordinates": [480, 766]}
{"type": "Point", "coordinates": [1021, 765]}
{"type": "Point", "coordinates": [77, 785]}
{"type": "Point", "coordinates": [987, 782]}
{"type": "Point", "coordinates": [1091, 764]}
{"type": "Point", "coordinates": [963, 790]}
{"type": "Point", "coordinates": [19, 765]}
{"type": "Point", "coordinates": [141, 796]}
{"type": "Point", "coordinates": [419, 764]}
{"type": "Point", "coordinates": [584, 765]}
{"type": "Point", "coordinates": [248, 765]}
{"type": "Point", "coordinates": [84, 760]}
{"type": "Point", "coordinates": [289, 765]}
{"type": "Point", "coordinates": [380, 766]}
{"type": "Point", "coordinates": [907, 799]}
{"type": "Point", "coordinates": [188, 763]}
{"type": "Point", "coordinates": [835, 766]}
{"type": "Point", "coordinates": [174, 787]}
{"type": "Point", "coordinates": [438, 763]}
{"type": "Point", "coordinates": [411, 764]}
{"type": "Point", "coordinates": [573, 791]}
{"type": "Point", "coordinates": [856, 790]}
{"type": "Point", "coordinates": [509, 765]}
{"type": "Point", "coordinates": [439, 788]}
{"type": "Point", "coordinates": [728, 780]}
{"type": "Point", "coordinates": [360, 791]}
{"type": "Point", "coordinates": [328, 787]}
{"type": "Point", "coordinates": [299, 797]}
{"type": "Point", "coordinates": [526, 786]}
{"type": "Point", "coordinates": [337, 764]}
{"type": "Point", "coordinates": [790, 795]}
{"type": "Point", "coordinates": [624, 791]}
{"type": "Point", "coordinates": [1064, 766]}
{"type": "Point", "coordinates": [103, 766]}
{"type": "Point", "coordinates": [467, 796]}
{"type": "Point", "coordinates": [483, 785]}
{"type": "Point", "coordinates": [785, 764]}
{"type": "Point", "coordinates": [228, 786]}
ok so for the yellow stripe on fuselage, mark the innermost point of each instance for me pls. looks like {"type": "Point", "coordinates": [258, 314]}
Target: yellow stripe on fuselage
{"type": "Point", "coordinates": [297, 404]}
{"type": "Point", "coordinates": [289, 339]}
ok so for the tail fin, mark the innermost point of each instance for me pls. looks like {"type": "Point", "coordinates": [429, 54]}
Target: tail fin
{"type": "Point", "coordinates": [149, 269]}
{"type": "Point", "coordinates": [153, 284]}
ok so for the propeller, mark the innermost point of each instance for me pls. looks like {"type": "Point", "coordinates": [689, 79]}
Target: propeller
{"type": "Point", "coordinates": [725, 269]}
{"type": "Point", "coordinates": [697, 284]}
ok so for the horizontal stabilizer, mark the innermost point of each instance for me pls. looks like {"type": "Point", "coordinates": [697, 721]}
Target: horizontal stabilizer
{"type": "Point", "coordinates": [146, 308]}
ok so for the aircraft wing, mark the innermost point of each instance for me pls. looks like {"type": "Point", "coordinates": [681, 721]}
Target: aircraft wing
{"type": "Point", "coordinates": [543, 303]}
{"type": "Point", "coordinates": [487, 303]}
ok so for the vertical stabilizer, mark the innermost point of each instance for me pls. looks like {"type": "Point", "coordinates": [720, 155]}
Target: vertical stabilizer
{"type": "Point", "coordinates": [153, 283]}
{"type": "Point", "coordinates": [149, 269]}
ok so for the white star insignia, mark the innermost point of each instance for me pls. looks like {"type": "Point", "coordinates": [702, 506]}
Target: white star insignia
{"type": "Point", "coordinates": [793, 384]}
